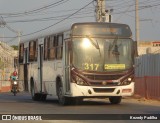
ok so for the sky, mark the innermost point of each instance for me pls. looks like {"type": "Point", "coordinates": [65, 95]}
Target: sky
{"type": "Point", "coordinates": [38, 17]}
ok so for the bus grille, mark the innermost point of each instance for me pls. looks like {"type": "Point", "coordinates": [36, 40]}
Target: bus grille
{"type": "Point", "coordinates": [101, 84]}
{"type": "Point", "coordinates": [103, 90]}
{"type": "Point", "coordinates": [103, 77]}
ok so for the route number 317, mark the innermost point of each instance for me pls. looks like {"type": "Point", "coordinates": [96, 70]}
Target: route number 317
{"type": "Point", "coordinates": [88, 66]}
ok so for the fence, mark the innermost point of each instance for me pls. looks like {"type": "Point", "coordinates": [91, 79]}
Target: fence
{"type": "Point", "coordinates": [147, 76]}
{"type": "Point", "coordinates": [148, 87]}
{"type": "Point", "coordinates": [5, 84]}
{"type": "Point", "coordinates": [147, 65]}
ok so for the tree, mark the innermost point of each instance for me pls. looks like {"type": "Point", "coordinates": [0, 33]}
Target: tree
{"type": "Point", "coordinates": [15, 47]}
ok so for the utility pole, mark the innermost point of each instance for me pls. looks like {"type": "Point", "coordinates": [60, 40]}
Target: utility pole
{"type": "Point", "coordinates": [101, 11]}
{"type": "Point", "coordinates": [19, 36]}
{"type": "Point", "coordinates": [136, 22]}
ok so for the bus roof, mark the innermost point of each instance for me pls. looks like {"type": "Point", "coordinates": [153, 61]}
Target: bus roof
{"type": "Point", "coordinates": [61, 30]}
{"type": "Point", "coordinates": [101, 28]}
{"type": "Point", "coordinates": [98, 23]}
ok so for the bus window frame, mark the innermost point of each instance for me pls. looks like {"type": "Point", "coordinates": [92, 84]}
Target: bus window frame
{"type": "Point", "coordinates": [21, 53]}
{"type": "Point", "coordinates": [45, 49]}
{"type": "Point", "coordinates": [59, 46]}
{"type": "Point", "coordinates": [51, 48]}
{"type": "Point", "coordinates": [35, 51]}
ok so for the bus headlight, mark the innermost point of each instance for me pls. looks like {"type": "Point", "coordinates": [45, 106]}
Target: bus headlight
{"type": "Point", "coordinates": [127, 81]}
{"type": "Point", "coordinates": [79, 81]}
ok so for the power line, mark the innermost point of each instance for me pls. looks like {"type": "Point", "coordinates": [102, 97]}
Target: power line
{"type": "Point", "coordinates": [60, 20]}
{"type": "Point", "coordinates": [52, 18]}
{"type": "Point", "coordinates": [69, 16]}
{"type": "Point", "coordinates": [121, 3]}
{"type": "Point", "coordinates": [140, 8]}
{"type": "Point", "coordinates": [49, 12]}
{"type": "Point", "coordinates": [11, 40]}
{"type": "Point", "coordinates": [47, 7]}
{"type": "Point", "coordinates": [36, 10]}
{"type": "Point", "coordinates": [122, 14]}
{"type": "Point", "coordinates": [48, 18]}
{"type": "Point", "coordinates": [11, 29]}
{"type": "Point", "coordinates": [54, 23]}
{"type": "Point", "coordinates": [133, 4]}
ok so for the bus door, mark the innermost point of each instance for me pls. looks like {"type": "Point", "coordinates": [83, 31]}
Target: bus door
{"type": "Point", "coordinates": [40, 66]}
{"type": "Point", "coordinates": [67, 66]}
{"type": "Point", "coordinates": [26, 69]}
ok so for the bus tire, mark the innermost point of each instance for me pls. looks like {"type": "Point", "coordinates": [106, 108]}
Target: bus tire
{"type": "Point", "coordinates": [61, 98]}
{"type": "Point", "coordinates": [43, 97]}
{"type": "Point", "coordinates": [115, 100]}
{"type": "Point", "coordinates": [35, 96]}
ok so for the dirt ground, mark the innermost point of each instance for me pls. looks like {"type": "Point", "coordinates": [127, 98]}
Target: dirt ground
{"type": "Point", "coordinates": [139, 99]}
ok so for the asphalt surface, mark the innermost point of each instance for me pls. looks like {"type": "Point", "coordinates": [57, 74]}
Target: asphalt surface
{"type": "Point", "coordinates": [23, 104]}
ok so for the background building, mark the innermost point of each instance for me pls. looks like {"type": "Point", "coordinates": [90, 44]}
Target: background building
{"type": "Point", "coordinates": [7, 56]}
{"type": "Point", "coordinates": [145, 47]}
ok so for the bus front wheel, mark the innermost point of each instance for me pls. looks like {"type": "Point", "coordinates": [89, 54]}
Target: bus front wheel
{"type": "Point", "coordinates": [115, 100]}
{"type": "Point", "coordinates": [62, 99]}
{"type": "Point", "coordinates": [35, 96]}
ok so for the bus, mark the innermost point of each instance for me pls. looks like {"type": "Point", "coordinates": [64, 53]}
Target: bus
{"type": "Point", "coordinates": [89, 60]}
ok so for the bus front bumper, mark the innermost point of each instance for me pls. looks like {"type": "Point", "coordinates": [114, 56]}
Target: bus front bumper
{"type": "Point", "coordinates": [93, 91]}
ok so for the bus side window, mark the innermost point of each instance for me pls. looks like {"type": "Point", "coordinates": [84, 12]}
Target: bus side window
{"type": "Point", "coordinates": [32, 51]}
{"type": "Point", "coordinates": [59, 46]}
{"type": "Point", "coordinates": [36, 50]}
{"type": "Point", "coordinates": [48, 47]}
{"type": "Point", "coordinates": [21, 53]}
{"type": "Point", "coordinates": [45, 49]}
{"type": "Point", "coordinates": [52, 53]}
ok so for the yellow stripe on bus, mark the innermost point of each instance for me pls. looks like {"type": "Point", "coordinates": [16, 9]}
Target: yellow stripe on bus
{"type": "Point", "coordinates": [114, 66]}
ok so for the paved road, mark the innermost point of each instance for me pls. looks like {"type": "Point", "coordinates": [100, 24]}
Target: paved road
{"type": "Point", "coordinates": [23, 104]}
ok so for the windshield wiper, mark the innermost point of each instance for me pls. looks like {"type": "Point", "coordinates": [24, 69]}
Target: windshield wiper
{"type": "Point", "coordinates": [115, 51]}
{"type": "Point", "coordinates": [94, 43]}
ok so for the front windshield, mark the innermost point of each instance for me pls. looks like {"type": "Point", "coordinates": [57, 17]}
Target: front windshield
{"type": "Point", "coordinates": [103, 55]}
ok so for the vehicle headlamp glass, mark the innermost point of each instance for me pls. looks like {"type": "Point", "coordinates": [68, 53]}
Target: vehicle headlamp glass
{"type": "Point", "coordinates": [79, 81]}
{"type": "Point", "coordinates": [129, 79]}
{"type": "Point", "coordinates": [15, 82]}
